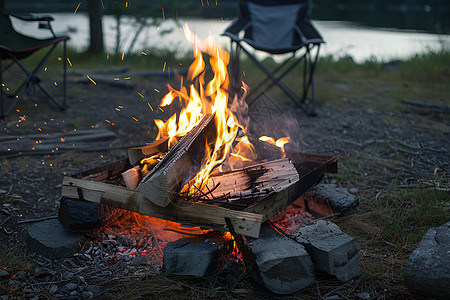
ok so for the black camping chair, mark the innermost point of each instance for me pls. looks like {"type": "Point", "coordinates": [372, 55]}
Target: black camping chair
{"type": "Point", "coordinates": [15, 46]}
{"type": "Point", "coordinates": [277, 27]}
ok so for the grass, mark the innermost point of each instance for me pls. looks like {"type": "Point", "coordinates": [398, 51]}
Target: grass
{"type": "Point", "coordinates": [392, 226]}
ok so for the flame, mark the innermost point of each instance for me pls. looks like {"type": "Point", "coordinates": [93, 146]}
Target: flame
{"type": "Point", "coordinates": [279, 143]}
{"type": "Point", "coordinates": [204, 98]}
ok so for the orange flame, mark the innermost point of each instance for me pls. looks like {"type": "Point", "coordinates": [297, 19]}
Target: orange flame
{"type": "Point", "coordinates": [204, 98]}
{"type": "Point", "coordinates": [279, 143]}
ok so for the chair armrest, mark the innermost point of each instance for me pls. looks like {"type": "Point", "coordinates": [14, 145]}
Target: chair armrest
{"type": "Point", "coordinates": [33, 18]}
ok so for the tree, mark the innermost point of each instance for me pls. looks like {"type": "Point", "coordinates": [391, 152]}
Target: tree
{"type": "Point", "coordinates": [95, 11]}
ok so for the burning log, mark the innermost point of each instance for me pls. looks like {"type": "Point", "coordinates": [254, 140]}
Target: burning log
{"type": "Point", "coordinates": [136, 154]}
{"type": "Point", "coordinates": [183, 162]}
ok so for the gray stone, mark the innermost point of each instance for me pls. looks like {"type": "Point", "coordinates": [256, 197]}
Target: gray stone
{"type": "Point", "coordinates": [331, 250]}
{"type": "Point", "coordinates": [363, 296]}
{"type": "Point", "coordinates": [87, 295]}
{"type": "Point", "coordinates": [3, 273]}
{"type": "Point", "coordinates": [428, 267]}
{"type": "Point", "coordinates": [71, 286]}
{"type": "Point", "coordinates": [192, 257]}
{"type": "Point", "coordinates": [94, 289]}
{"type": "Point", "coordinates": [339, 198]}
{"type": "Point", "coordinates": [49, 239]}
{"type": "Point", "coordinates": [53, 289]}
{"type": "Point", "coordinates": [281, 265]}
{"type": "Point", "coordinates": [4, 297]}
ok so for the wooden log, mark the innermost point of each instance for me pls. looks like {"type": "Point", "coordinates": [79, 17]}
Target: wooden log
{"type": "Point", "coordinates": [195, 214]}
{"type": "Point", "coordinates": [181, 164]}
{"type": "Point", "coordinates": [272, 176]}
{"type": "Point", "coordinates": [311, 168]}
{"type": "Point", "coordinates": [136, 154]}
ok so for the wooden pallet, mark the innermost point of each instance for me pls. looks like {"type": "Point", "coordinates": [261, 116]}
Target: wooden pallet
{"type": "Point", "coordinates": [100, 185]}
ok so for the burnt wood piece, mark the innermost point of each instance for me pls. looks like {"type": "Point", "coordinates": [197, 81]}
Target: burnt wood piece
{"type": "Point", "coordinates": [180, 165]}
{"type": "Point", "coordinates": [136, 154]}
{"type": "Point", "coordinates": [196, 214]}
{"type": "Point", "coordinates": [311, 169]}
{"type": "Point", "coordinates": [240, 188]}
{"type": "Point", "coordinates": [81, 216]}
{"type": "Point", "coordinates": [280, 264]}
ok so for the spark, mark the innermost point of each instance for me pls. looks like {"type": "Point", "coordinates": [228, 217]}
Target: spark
{"type": "Point", "coordinates": [55, 83]}
{"type": "Point", "coordinates": [164, 67]}
{"type": "Point", "coordinates": [123, 54]}
{"type": "Point", "coordinates": [45, 69]}
{"type": "Point", "coordinates": [102, 4]}
{"type": "Point", "coordinates": [140, 95]}
{"type": "Point", "coordinates": [77, 8]}
{"type": "Point", "coordinates": [116, 78]}
{"type": "Point", "coordinates": [68, 60]}
{"type": "Point", "coordinates": [150, 106]}
{"type": "Point", "coordinates": [91, 80]}
{"type": "Point", "coordinates": [156, 90]}
{"type": "Point", "coordinates": [107, 56]}
{"type": "Point", "coordinates": [143, 53]}
{"type": "Point", "coordinates": [116, 114]}
{"type": "Point", "coordinates": [126, 4]}
{"type": "Point", "coordinates": [135, 119]}
{"type": "Point", "coordinates": [160, 108]}
{"type": "Point", "coordinates": [164, 17]}
{"type": "Point", "coordinates": [127, 78]}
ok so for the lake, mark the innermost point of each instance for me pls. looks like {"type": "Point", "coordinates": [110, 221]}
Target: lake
{"type": "Point", "coordinates": [342, 38]}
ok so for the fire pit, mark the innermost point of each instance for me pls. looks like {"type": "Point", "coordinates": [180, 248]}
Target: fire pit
{"type": "Point", "coordinates": [203, 172]}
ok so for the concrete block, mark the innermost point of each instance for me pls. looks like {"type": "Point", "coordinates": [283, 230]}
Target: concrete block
{"type": "Point", "coordinates": [48, 238]}
{"type": "Point", "coordinates": [192, 257]}
{"type": "Point", "coordinates": [81, 216]}
{"type": "Point", "coordinates": [339, 198]}
{"type": "Point", "coordinates": [331, 250]}
{"type": "Point", "coordinates": [281, 265]}
{"type": "Point", "coordinates": [428, 267]}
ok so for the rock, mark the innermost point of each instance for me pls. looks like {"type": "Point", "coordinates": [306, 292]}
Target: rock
{"type": "Point", "coordinates": [82, 216]}
{"type": "Point", "coordinates": [281, 265]}
{"type": "Point", "coordinates": [331, 250]}
{"type": "Point", "coordinates": [4, 297]}
{"type": "Point", "coordinates": [94, 289]}
{"type": "Point", "coordinates": [3, 273]}
{"type": "Point", "coordinates": [53, 289]}
{"type": "Point", "coordinates": [340, 199]}
{"type": "Point", "coordinates": [49, 239]}
{"type": "Point", "coordinates": [87, 295]}
{"type": "Point", "coordinates": [428, 267]}
{"type": "Point", "coordinates": [71, 286]}
{"type": "Point", "coordinates": [192, 257]}
{"type": "Point", "coordinates": [363, 296]}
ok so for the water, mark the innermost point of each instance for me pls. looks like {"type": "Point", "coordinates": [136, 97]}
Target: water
{"type": "Point", "coordinates": [342, 38]}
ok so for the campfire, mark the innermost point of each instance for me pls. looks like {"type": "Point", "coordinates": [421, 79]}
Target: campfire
{"type": "Point", "coordinates": [202, 171]}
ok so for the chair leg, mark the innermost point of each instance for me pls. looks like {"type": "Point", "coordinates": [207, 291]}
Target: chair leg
{"type": "Point", "coordinates": [64, 76]}
{"type": "Point", "coordinates": [1, 90]}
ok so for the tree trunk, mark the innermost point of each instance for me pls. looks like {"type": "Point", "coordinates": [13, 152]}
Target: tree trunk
{"type": "Point", "coordinates": [95, 12]}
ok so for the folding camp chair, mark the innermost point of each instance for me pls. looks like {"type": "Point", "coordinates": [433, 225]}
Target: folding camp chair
{"type": "Point", "coordinates": [277, 27]}
{"type": "Point", "coordinates": [15, 46]}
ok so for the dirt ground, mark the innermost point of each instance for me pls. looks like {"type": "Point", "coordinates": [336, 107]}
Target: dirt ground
{"type": "Point", "coordinates": [379, 147]}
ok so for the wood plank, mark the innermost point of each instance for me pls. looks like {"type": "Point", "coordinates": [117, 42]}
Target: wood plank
{"type": "Point", "coordinates": [136, 154]}
{"type": "Point", "coordinates": [271, 176]}
{"type": "Point", "coordinates": [277, 201]}
{"type": "Point", "coordinates": [182, 163]}
{"type": "Point", "coordinates": [195, 214]}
